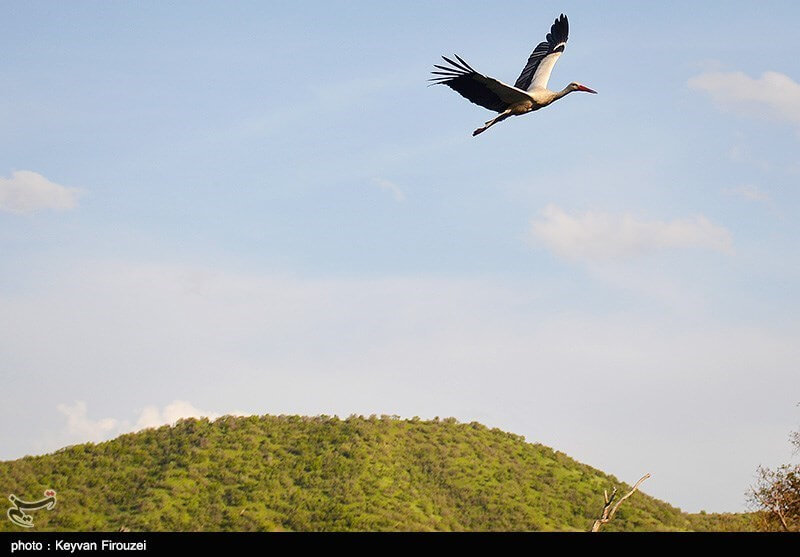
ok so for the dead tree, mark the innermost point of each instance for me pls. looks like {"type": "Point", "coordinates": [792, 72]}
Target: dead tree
{"type": "Point", "coordinates": [608, 510]}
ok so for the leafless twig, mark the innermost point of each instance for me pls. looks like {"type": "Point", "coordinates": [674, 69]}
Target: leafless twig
{"type": "Point", "coordinates": [608, 510]}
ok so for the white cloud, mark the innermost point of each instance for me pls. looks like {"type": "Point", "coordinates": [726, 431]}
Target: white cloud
{"type": "Point", "coordinates": [26, 192]}
{"type": "Point", "coordinates": [391, 187]}
{"type": "Point", "coordinates": [775, 94]}
{"type": "Point", "coordinates": [603, 236]}
{"type": "Point", "coordinates": [79, 426]}
{"type": "Point", "coordinates": [151, 416]}
{"type": "Point", "coordinates": [749, 192]}
{"type": "Point", "coordinates": [81, 429]}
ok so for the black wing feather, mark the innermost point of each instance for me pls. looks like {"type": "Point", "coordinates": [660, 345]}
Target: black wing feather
{"type": "Point", "coordinates": [558, 34]}
{"type": "Point", "coordinates": [464, 63]}
{"type": "Point", "coordinates": [469, 84]}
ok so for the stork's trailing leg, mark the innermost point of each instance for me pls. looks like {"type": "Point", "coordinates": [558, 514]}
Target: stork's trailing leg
{"type": "Point", "coordinates": [500, 117]}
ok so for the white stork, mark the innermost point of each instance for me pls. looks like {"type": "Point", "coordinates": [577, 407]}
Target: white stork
{"type": "Point", "coordinates": [529, 93]}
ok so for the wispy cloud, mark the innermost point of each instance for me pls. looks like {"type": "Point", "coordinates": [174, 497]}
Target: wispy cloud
{"type": "Point", "coordinates": [603, 236]}
{"type": "Point", "coordinates": [350, 91]}
{"type": "Point", "coordinates": [26, 192]}
{"type": "Point", "coordinates": [774, 94]}
{"type": "Point", "coordinates": [749, 192]}
{"type": "Point", "coordinates": [742, 153]}
{"type": "Point", "coordinates": [321, 101]}
{"type": "Point", "coordinates": [392, 188]}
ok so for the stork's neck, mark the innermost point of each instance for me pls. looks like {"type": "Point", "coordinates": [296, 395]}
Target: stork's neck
{"type": "Point", "coordinates": [563, 93]}
{"type": "Point", "coordinates": [543, 97]}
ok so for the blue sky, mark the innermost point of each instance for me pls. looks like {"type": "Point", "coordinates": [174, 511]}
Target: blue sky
{"type": "Point", "coordinates": [210, 208]}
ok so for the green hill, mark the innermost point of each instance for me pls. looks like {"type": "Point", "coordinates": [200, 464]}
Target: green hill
{"type": "Point", "coordinates": [323, 473]}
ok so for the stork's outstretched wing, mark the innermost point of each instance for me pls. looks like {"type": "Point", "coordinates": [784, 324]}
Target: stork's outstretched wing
{"type": "Point", "coordinates": [536, 73]}
{"type": "Point", "coordinates": [477, 88]}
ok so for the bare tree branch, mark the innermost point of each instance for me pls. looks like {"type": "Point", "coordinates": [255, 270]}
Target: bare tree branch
{"type": "Point", "coordinates": [609, 511]}
{"type": "Point", "coordinates": [777, 495]}
{"type": "Point", "coordinates": [779, 505]}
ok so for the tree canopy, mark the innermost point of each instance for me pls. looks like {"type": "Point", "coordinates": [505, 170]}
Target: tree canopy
{"type": "Point", "coordinates": [326, 473]}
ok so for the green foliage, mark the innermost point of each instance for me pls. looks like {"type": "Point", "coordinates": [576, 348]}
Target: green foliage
{"type": "Point", "coordinates": [325, 473]}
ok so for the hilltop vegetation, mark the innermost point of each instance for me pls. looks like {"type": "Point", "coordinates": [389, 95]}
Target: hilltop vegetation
{"type": "Point", "coordinates": [326, 473]}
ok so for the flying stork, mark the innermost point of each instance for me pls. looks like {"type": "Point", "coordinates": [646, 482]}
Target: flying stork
{"type": "Point", "coordinates": [529, 93]}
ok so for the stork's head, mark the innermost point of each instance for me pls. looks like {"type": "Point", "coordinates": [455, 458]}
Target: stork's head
{"type": "Point", "coordinates": [575, 86]}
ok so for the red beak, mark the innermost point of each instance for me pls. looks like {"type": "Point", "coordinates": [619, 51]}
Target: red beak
{"type": "Point", "coordinates": [586, 89]}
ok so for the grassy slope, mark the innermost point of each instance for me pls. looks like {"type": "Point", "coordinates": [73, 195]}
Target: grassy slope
{"type": "Point", "coordinates": [297, 473]}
